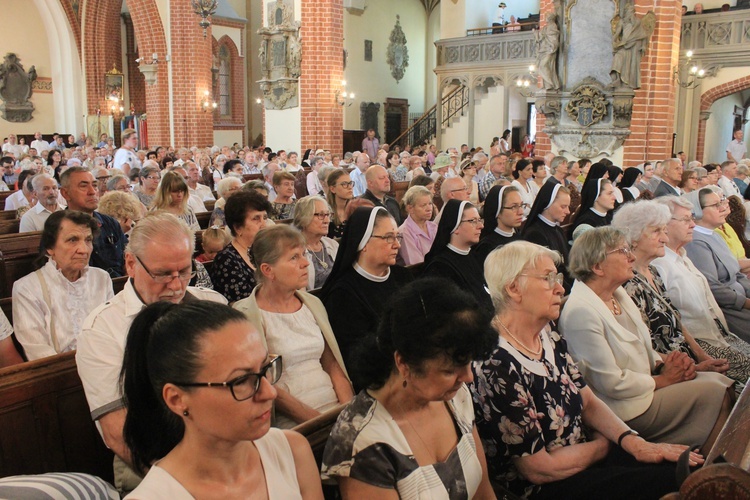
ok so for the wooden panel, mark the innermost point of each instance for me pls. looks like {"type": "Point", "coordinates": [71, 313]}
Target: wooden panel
{"type": "Point", "coordinates": [18, 438]}
{"type": "Point", "coordinates": [733, 443]}
{"type": "Point", "coordinates": [317, 430]}
{"type": "Point", "coordinates": [7, 214]}
{"type": "Point", "coordinates": [353, 140]}
{"type": "Point", "coordinates": [400, 189]}
{"type": "Point", "coordinates": [9, 226]}
{"type": "Point", "coordinates": [209, 205]}
{"type": "Point", "coordinates": [203, 219]}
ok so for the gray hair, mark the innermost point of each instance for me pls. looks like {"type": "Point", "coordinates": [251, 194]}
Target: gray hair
{"type": "Point", "coordinates": [670, 163]}
{"type": "Point", "coordinates": [162, 226]}
{"type": "Point", "coordinates": [270, 243]}
{"type": "Point", "coordinates": [225, 185]}
{"type": "Point", "coordinates": [305, 208]}
{"type": "Point", "coordinates": [414, 193]}
{"type": "Point", "coordinates": [150, 164]}
{"type": "Point", "coordinates": [700, 172]}
{"type": "Point", "coordinates": [672, 202]}
{"type": "Point", "coordinates": [112, 183]}
{"type": "Point", "coordinates": [556, 162]}
{"type": "Point", "coordinates": [324, 172]}
{"type": "Point", "coordinates": [743, 169]}
{"type": "Point", "coordinates": [728, 163]}
{"type": "Point", "coordinates": [36, 181]}
{"type": "Point", "coordinates": [694, 164]}
{"type": "Point", "coordinates": [99, 162]}
{"type": "Point", "coordinates": [590, 249]}
{"type": "Point", "coordinates": [505, 264]}
{"type": "Point", "coordinates": [633, 219]}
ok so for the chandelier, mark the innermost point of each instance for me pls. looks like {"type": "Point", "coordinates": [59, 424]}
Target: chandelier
{"type": "Point", "coordinates": [205, 9]}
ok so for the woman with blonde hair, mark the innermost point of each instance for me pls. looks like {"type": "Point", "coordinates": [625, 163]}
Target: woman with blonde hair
{"type": "Point", "coordinates": [172, 196]}
{"type": "Point", "coordinates": [123, 207]}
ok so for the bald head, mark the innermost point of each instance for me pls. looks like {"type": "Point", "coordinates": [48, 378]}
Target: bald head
{"type": "Point", "coordinates": [378, 182]}
{"type": "Point", "coordinates": [454, 188]}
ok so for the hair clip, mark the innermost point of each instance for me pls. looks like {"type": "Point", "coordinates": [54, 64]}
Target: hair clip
{"type": "Point", "coordinates": [215, 226]}
{"type": "Point", "coordinates": [424, 309]}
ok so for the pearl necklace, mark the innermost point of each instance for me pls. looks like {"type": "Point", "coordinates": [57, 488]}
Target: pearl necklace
{"type": "Point", "coordinates": [526, 348]}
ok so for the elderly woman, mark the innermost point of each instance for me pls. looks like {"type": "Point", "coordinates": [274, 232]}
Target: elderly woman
{"type": "Point", "coordinates": [449, 257]}
{"type": "Point", "coordinates": [418, 231]}
{"type": "Point", "coordinates": [224, 188]}
{"type": "Point", "coordinates": [233, 271]}
{"type": "Point", "coordinates": [713, 257]}
{"type": "Point", "coordinates": [410, 433]}
{"type": "Point", "coordinates": [197, 383]}
{"type": "Point", "coordinates": [312, 216]}
{"type": "Point", "coordinates": [543, 428]}
{"type": "Point", "coordinates": [283, 204]}
{"type": "Point", "coordinates": [661, 396]}
{"type": "Point", "coordinates": [172, 196]}
{"type": "Point", "coordinates": [340, 192]}
{"type": "Point", "coordinates": [364, 276]}
{"type": "Point", "coordinates": [644, 225]}
{"type": "Point", "coordinates": [149, 178]}
{"type": "Point", "coordinates": [294, 324]}
{"type": "Point", "coordinates": [503, 215]}
{"type": "Point", "coordinates": [123, 207]}
{"type": "Point", "coordinates": [50, 304]}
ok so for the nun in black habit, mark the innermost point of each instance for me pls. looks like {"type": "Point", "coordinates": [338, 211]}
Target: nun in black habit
{"type": "Point", "coordinates": [597, 203]}
{"type": "Point", "coordinates": [458, 230]}
{"type": "Point", "coordinates": [363, 277]}
{"type": "Point", "coordinates": [630, 178]}
{"type": "Point", "coordinates": [550, 208]}
{"type": "Point", "coordinates": [503, 214]}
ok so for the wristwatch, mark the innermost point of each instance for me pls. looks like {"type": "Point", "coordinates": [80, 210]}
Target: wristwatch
{"type": "Point", "coordinates": [624, 435]}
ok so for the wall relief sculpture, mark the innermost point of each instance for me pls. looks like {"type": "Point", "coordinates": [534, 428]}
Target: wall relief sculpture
{"type": "Point", "coordinates": [630, 38]}
{"type": "Point", "coordinates": [15, 90]}
{"type": "Point", "coordinates": [397, 55]}
{"type": "Point", "coordinates": [280, 56]}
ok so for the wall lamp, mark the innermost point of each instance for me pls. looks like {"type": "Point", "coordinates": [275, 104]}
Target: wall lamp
{"type": "Point", "coordinates": [207, 103]}
{"type": "Point", "coordinates": [344, 98]}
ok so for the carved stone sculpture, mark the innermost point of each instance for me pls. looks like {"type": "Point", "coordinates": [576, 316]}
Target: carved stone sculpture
{"type": "Point", "coordinates": [550, 108]}
{"type": "Point", "coordinates": [547, 46]}
{"type": "Point", "coordinates": [15, 90]}
{"type": "Point", "coordinates": [294, 57]}
{"type": "Point", "coordinates": [587, 105]}
{"type": "Point", "coordinates": [280, 55]}
{"type": "Point", "coordinates": [629, 42]}
{"type": "Point", "coordinates": [397, 55]}
{"type": "Point", "coordinates": [622, 111]}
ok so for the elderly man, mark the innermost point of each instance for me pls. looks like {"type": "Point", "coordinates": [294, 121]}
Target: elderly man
{"type": "Point", "coordinates": [39, 143]}
{"type": "Point", "coordinates": [195, 188]}
{"type": "Point", "coordinates": [454, 188]}
{"type": "Point", "coordinates": [736, 149]}
{"type": "Point", "coordinates": [357, 176]}
{"type": "Point", "coordinates": [671, 178]}
{"type": "Point", "coordinates": [46, 191]}
{"type": "Point", "coordinates": [497, 168]}
{"type": "Point", "coordinates": [378, 185]}
{"type": "Point", "coordinates": [558, 168]}
{"type": "Point", "coordinates": [268, 171]}
{"type": "Point", "coordinates": [370, 144]}
{"type": "Point", "coordinates": [25, 194]}
{"type": "Point", "coordinates": [102, 175]}
{"type": "Point", "coordinates": [158, 260]}
{"type": "Point", "coordinates": [80, 190]}
{"type": "Point", "coordinates": [726, 181]}
{"type": "Point", "coordinates": [480, 160]}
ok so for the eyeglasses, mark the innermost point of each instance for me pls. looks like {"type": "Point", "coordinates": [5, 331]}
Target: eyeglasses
{"type": "Point", "coordinates": [103, 177]}
{"type": "Point", "coordinates": [247, 385]}
{"type": "Point", "coordinates": [553, 278]}
{"type": "Point", "coordinates": [347, 184]}
{"type": "Point", "coordinates": [390, 238]}
{"type": "Point", "coordinates": [459, 189]}
{"type": "Point", "coordinates": [322, 215]}
{"type": "Point", "coordinates": [516, 208]}
{"type": "Point", "coordinates": [167, 278]}
{"type": "Point", "coordinates": [722, 203]}
{"type": "Point", "coordinates": [153, 178]}
{"type": "Point", "coordinates": [474, 222]}
{"type": "Point", "coordinates": [626, 251]}
{"type": "Point", "coordinates": [686, 220]}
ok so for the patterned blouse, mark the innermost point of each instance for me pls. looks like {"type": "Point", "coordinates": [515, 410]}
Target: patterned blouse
{"type": "Point", "coordinates": [231, 275]}
{"type": "Point", "coordinates": [523, 406]}
{"type": "Point", "coordinates": [657, 311]}
{"type": "Point", "coordinates": [283, 211]}
{"type": "Point", "coordinates": [366, 444]}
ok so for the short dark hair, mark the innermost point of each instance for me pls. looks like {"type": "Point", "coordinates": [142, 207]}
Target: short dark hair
{"type": "Point", "coordinates": [23, 176]}
{"type": "Point", "coordinates": [52, 226]}
{"type": "Point", "coordinates": [430, 318]}
{"type": "Point", "coordinates": [239, 204]}
{"type": "Point", "coordinates": [164, 345]}
{"type": "Point", "coordinates": [6, 159]}
{"type": "Point", "coordinates": [228, 166]}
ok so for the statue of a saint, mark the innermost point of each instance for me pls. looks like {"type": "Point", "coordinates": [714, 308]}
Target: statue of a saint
{"type": "Point", "coordinates": [262, 56]}
{"type": "Point", "coordinates": [547, 45]}
{"type": "Point", "coordinates": [629, 42]}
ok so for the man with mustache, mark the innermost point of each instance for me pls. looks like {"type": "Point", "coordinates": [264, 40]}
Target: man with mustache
{"type": "Point", "coordinates": [46, 191]}
{"type": "Point", "coordinates": [159, 262]}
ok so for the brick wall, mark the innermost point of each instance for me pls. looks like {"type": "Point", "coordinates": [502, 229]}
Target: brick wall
{"type": "Point", "coordinates": [707, 99]}
{"type": "Point", "coordinates": [102, 49]}
{"type": "Point", "coordinates": [136, 82]}
{"type": "Point", "coordinates": [322, 72]}
{"type": "Point", "coordinates": [74, 21]}
{"type": "Point", "coordinates": [652, 122]}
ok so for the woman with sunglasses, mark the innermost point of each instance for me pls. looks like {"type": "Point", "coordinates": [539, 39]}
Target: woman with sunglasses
{"type": "Point", "coordinates": [340, 193]}
{"type": "Point", "coordinates": [660, 396]}
{"type": "Point", "coordinates": [364, 276]}
{"type": "Point", "coordinates": [546, 434]}
{"type": "Point", "coordinates": [449, 257]}
{"type": "Point", "coordinates": [197, 383]}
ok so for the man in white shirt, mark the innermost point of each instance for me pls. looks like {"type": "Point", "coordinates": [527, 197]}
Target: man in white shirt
{"type": "Point", "coordinates": [194, 201]}
{"type": "Point", "coordinates": [736, 149]}
{"type": "Point", "coordinates": [39, 144]}
{"type": "Point", "coordinates": [158, 261]}
{"type": "Point", "coordinates": [24, 196]}
{"type": "Point", "coordinates": [726, 181]}
{"type": "Point", "coordinates": [11, 147]}
{"type": "Point", "coordinates": [195, 188]}
{"type": "Point", "coordinates": [361, 164]}
{"type": "Point", "coordinates": [125, 157]}
{"type": "Point", "coordinates": [313, 183]}
{"type": "Point", "coordinates": [47, 192]}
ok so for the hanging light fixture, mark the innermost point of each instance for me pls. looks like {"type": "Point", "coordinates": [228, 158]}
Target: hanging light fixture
{"type": "Point", "coordinates": [205, 9]}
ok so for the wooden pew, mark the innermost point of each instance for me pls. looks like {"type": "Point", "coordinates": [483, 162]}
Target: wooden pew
{"type": "Point", "coordinates": [203, 219]}
{"type": "Point", "coordinates": [400, 189]}
{"type": "Point", "coordinates": [8, 215]}
{"type": "Point", "coordinates": [251, 177]}
{"type": "Point", "coordinates": [9, 226]}
{"type": "Point", "coordinates": [317, 430]}
{"type": "Point", "coordinates": [3, 196]}
{"type": "Point", "coordinates": [45, 424]}
{"type": "Point", "coordinates": [209, 205]}
{"type": "Point", "coordinates": [17, 255]}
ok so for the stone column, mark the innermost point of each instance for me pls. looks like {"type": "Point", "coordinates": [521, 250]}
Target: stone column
{"type": "Point", "coordinates": [543, 143]}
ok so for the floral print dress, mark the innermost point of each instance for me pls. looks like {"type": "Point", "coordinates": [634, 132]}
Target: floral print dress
{"type": "Point", "coordinates": [523, 406]}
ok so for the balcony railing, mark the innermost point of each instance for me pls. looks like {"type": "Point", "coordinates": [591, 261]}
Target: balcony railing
{"type": "Point", "coordinates": [481, 50]}
{"type": "Point", "coordinates": [725, 35]}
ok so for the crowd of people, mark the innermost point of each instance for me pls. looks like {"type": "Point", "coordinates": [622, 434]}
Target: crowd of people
{"type": "Point", "coordinates": [513, 325]}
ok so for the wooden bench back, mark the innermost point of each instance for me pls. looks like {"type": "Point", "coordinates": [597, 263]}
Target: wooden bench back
{"type": "Point", "coordinates": [3, 196]}
{"type": "Point", "coordinates": [17, 255]}
{"type": "Point", "coordinates": [9, 226]}
{"type": "Point", "coordinates": [8, 215]}
{"type": "Point", "coordinates": [203, 219]}
{"type": "Point", "coordinates": [317, 430]}
{"type": "Point", "coordinates": [400, 189]}
{"type": "Point", "coordinates": [45, 424]}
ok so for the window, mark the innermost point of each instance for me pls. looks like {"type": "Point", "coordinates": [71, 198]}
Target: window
{"type": "Point", "coordinates": [225, 82]}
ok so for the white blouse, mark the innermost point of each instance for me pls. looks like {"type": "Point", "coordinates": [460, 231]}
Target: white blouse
{"type": "Point", "coordinates": [69, 304]}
